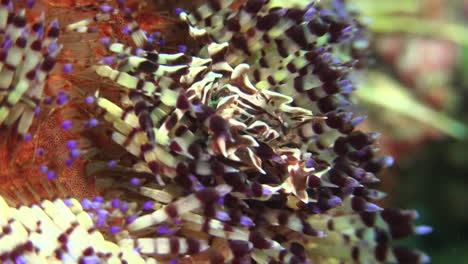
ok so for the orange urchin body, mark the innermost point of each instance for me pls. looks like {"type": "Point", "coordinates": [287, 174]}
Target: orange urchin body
{"type": "Point", "coordinates": [20, 161]}
{"type": "Point", "coordinates": [22, 181]}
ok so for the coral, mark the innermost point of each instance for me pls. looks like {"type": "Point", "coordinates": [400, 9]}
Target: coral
{"type": "Point", "coordinates": [239, 147]}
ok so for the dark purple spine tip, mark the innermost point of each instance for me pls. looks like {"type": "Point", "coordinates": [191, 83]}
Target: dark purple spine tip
{"type": "Point", "coordinates": [93, 122]}
{"type": "Point", "coordinates": [48, 100]}
{"type": "Point", "coordinates": [71, 144]}
{"type": "Point", "coordinates": [67, 68]}
{"type": "Point", "coordinates": [178, 11]}
{"type": "Point", "coordinates": [370, 207]}
{"type": "Point", "coordinates": [131, 219]}
{"type": "Point", "coordinates": [43, 168]}
{"type": "Point", "coordinates": [51, 175]}
{"type": "Point", "coordinates": [163, 230]}
{"type": "Point", "coordinates": [69, 162]}
{"type": "Point", "coordinates": [40, 152]}
{"type": "Point", "coordinates": [114, 229]}
{"type": "Point", "coordinates": [126, 30]}
{"type": "Point", "coordinates": [67, 202]}
{"type": "Point", "coordinates": [67, 124]}
{"type": "Point", "coordinates": [61, 100]}
{"type": "Point", "coordinates": [334, 201]}
{"type": "Point", "coordinates": [148, 205]}
{"type": "Point", "coordinates": [106, 8]}
{"type": "Point", "coordinates": [423, 230]}
{"type": "Point", "coordinates": [6, 2]}
{"type": "Point", "coordinates": [111, 163]}
{"type": "Point", "coordinates": [182, 48]}
{"type": "Point", "coordinates": [27, 137]}
{"type": "Point", "coordinates": [105, 41]}
{"type": "Point", "coordinates": [75, 153]}
{"type": "Point", "coordinates": [89, 100]}
{"type": "Point", "coordinates": [174, 261]}
{"type": "Point", "coordinates": [30, 3]}
{"type": "Point", "coordinates": [246, 221]}
{"type": "Point", "coordinates": [388, 161]}
{"type": "Point", "coordinates": [115, 203]}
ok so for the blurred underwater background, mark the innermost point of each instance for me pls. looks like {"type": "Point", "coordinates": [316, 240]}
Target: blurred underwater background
{"type": "Point", "coordinates": [416, 95]}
